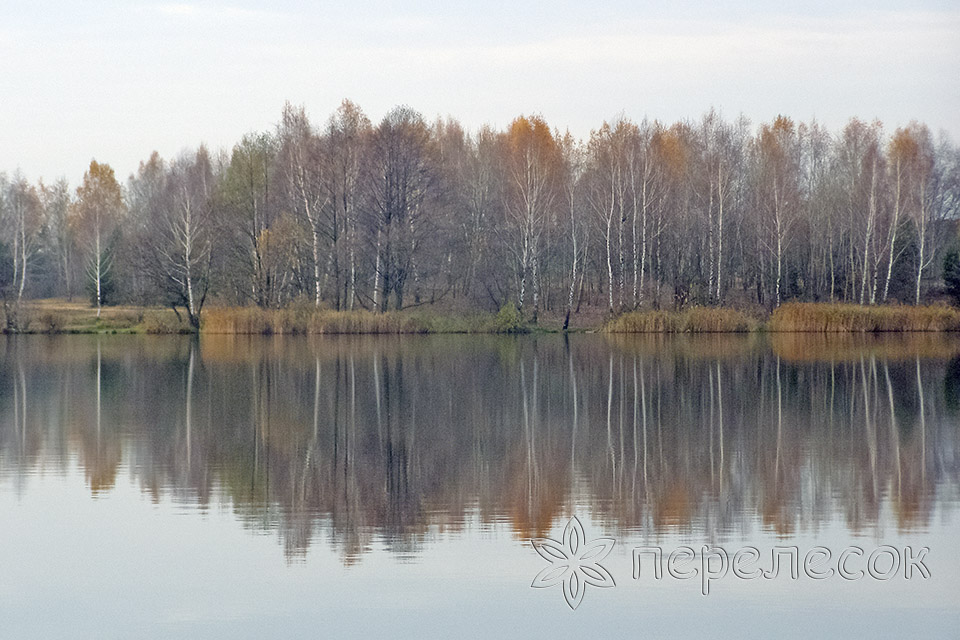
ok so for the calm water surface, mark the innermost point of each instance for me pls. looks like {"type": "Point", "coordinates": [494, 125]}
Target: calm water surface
{"type": "Point", "coordinates": [366, 486]}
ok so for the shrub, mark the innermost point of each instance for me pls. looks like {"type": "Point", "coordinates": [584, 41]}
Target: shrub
{"type": "Point", "coordinates": [509, 320]}
{"type": "Point", "coordinates": [164, 323]}
{"type": "Point", "coordinates": [52, 322]}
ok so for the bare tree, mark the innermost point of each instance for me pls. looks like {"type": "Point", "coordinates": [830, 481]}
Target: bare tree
{"type": "Point", "coordinates": [57, 201]}
{"type": "Point", "coordinates": [646, 183]}
{"type": "Point", "coordinates": [720, 149]}
{"type": "Point", "coordinates": [777, 191]}
{"type": "Point", "coordinates": [822, 226]}
{"type": "Point", "coordinates": [574, 160]}
{"type": "Point", "coordinates": [22, 221]}
{"type": "Point", "coordinates": [918, 156]}
{"type": "Point", "coordinates": [181, 233]}
{"type": "Point", "coordinates": [401, 180]}
{"type": "Point", "coordinates": [608, 194]}
{"type": "Point", "coordinates": [247, 210]}
{"type": "Point", "coordinates": [861, 162]}
{"type": "Point", "coordinates": [301, 173]}
{"type": "Point", "coordinates": [346, 138]}
{"type": "Point", "coordinates": [482, 195]}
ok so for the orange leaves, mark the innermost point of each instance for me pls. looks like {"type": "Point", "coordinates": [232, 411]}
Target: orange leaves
{"type": "Point", "coordinates": [672, 148]}
{"type": "Point", "coordinates": [100, 184]}
{"type": "Point", "coordinates": [783, 125]}
{"type": "Point", "coordinates": [778, 152]}
{"type": "Point", "coordinates": [535, 162]}
{"type": "Point", "coordinates": [911, 149]}
{"type": "Point", "coordinates": [531, 137]}
{"type": "Point", "coordinates": [903, 147]}
{"type": "Point", "coordinates": [99, 203]}
{"type": "Point", "coordinates": [530, 131]}
{"type": "Point", "coordinates": [776, 141]}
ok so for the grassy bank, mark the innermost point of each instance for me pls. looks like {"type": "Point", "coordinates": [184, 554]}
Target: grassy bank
{"type": "Point", "coordinates": [58, 316]}
{"type": "Point", "coordinates": [61, 316]}
{"type": "Point", "coordinates": [303, 321]}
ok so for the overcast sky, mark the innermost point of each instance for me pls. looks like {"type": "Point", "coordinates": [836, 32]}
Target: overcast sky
{"type": "Point", "coordinates": [116, 79]}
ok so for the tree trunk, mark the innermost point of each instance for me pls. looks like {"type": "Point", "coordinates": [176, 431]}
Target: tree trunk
{"type": "Point", "coordinates": [720, 196]}
{"type": "Point", "coordinates": [893, 234]}
{"type": "Point", "coordinates": [98, 271]}
{"type": "Point", "coordinates": [609, 263]}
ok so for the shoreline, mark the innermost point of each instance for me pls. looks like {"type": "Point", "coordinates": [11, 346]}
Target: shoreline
{"type": "Point", "coordinates": [61, 317]}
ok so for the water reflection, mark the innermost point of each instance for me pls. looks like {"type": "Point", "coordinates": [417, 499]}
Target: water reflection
{"type": "Point", "coordinates": [345, 441]}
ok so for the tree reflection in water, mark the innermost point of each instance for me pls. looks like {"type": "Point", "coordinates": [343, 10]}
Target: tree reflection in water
{"type": "Point", "coordinates": [352, 440]}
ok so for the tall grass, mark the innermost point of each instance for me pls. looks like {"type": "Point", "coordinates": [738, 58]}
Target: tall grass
{"type": "Point", "coordinates": [693, 320]}
{"type": "Point", "coordinates": [792, 317]}
{"type": "Point", "coordinates": [292, 321]}
{"type": "Point", "coordinates": [842, 318]}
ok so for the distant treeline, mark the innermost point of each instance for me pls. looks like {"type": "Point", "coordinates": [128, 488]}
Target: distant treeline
{"type": "Point", "coordinates": [350, 215]}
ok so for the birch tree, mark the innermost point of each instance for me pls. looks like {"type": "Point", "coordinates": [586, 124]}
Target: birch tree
{"type": "Point", "coordinates": [712, 180]}
{"type": "Point", "coordinates": [574, 162]}
{"type": "Point", "coordinates": [181, 233]}
{"type": "Point", "coordinates": [143, 196]}
{"type": "Point", "coordinates": [532, 168]}
{"type": "Point", "coordinates": [57, 201]}
{"type": "Point", "coordinates": [903, 156]}
{"type": "Point", "coordinates": [919, 161]}
{"type": "Point", "coordinates": [646, 183]}
{"type": "Point", "coordinates": [483, 197]}
{"type": "Point", "coordinates": [22, 215]}
{"type": "Point", "coordinates": [247, 210]}
{"type": "Point", "coordinates": [301, 174]}
{"type": "Point", "coordinates": [346, 139]}
{"type": "Point", "coordinates": [671, 156]}
{"type": "Point", "coordinates": [777, 191]}
{"type": "Point", "coordinates": [860, 158]}
{"type": "Point", "coordinates": [98, 212]}
{"type": "Point", "coordinates": [401, 179]}
{"type": "Point", "coordinates": [609, 194]}
{"type": "Point", "coordinates": [823, 229]}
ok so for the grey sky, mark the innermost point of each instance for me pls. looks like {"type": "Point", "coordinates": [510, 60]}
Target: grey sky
{"type": "Point", "coordinates": [117, 79]}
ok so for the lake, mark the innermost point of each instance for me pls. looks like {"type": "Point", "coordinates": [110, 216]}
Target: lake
{"type": "Point", "coordinates": [368, 486]}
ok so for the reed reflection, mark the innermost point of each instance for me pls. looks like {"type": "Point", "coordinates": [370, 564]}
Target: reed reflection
{"type": "Point", "coordinates": [347, 441]}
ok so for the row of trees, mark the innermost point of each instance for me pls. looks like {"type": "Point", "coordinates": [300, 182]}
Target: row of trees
{"type": "Point", "coordinates": [406, 212]}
